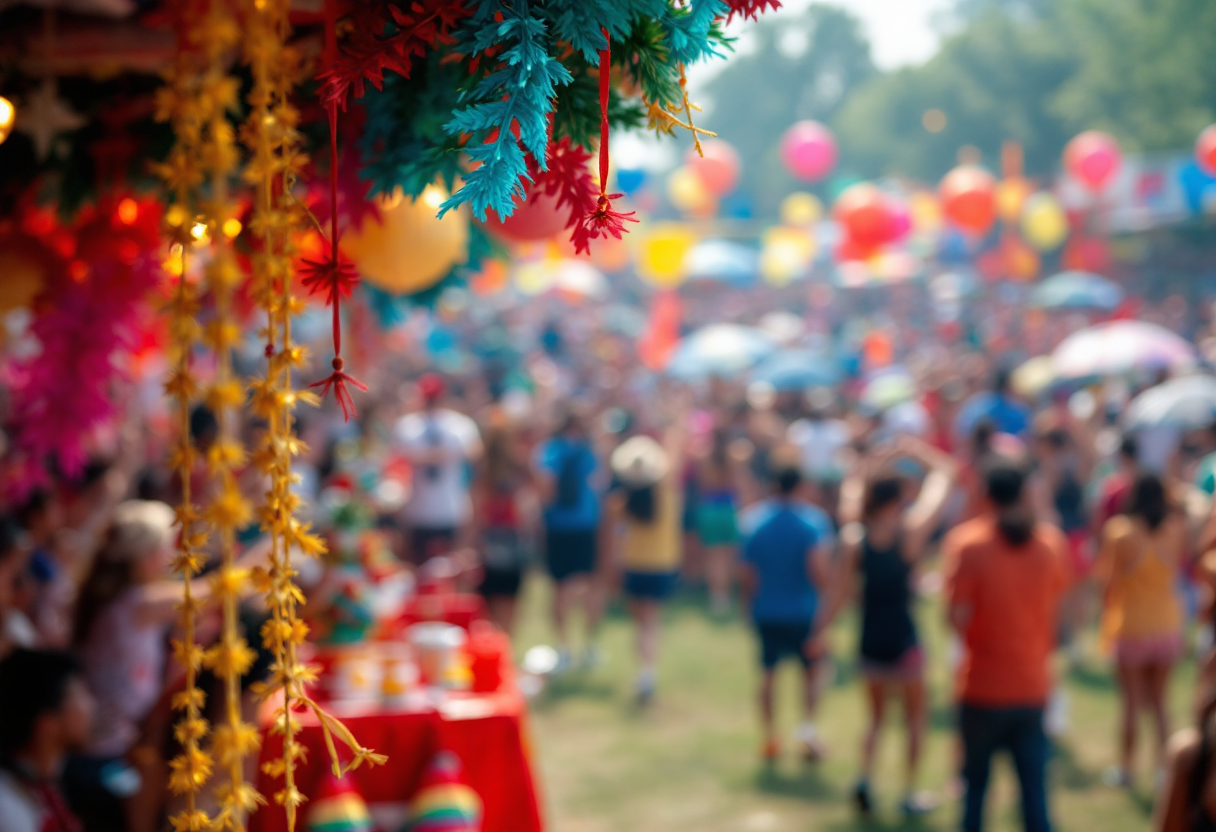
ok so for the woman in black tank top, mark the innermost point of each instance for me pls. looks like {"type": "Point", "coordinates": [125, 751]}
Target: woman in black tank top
{"type": "Point", "coordinates": [888, 521]}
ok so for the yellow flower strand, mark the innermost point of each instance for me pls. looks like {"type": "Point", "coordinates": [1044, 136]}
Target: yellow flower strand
{"type": "Point", "coordinates": [227, 511]}
{"type": "Point", "coordinates": [178, 103]}
{"type": "Point", "coordinates": [270, 133]}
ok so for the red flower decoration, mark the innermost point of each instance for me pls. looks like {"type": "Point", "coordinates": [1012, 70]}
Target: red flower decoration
{"type": "Point", "coordinates": [336, 278]}
{"type": "Point", "coordinates": [600, 223]}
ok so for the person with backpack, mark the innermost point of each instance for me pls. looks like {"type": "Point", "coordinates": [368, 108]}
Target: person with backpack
{"type": "Point", "coordinates": [567, 473]}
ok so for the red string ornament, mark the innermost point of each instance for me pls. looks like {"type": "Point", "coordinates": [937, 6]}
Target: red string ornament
{"type": "Point", "coordinates": [335, 276]}
{"type": "Point", "coordinates": [602, 220]}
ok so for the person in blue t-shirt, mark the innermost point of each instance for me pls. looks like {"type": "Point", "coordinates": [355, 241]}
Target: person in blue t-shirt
{"type": "Point", "coordinates": [998, 406]}
{"type": "Point", "coordinates": [785, 566]}
{"type": "Point", "coordinates": [567, 471]}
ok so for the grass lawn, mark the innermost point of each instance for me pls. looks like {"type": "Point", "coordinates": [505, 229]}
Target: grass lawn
{"type": "Point", "coordinates": [691, 761]}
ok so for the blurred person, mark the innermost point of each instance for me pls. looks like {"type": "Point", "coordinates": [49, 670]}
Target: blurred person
{"type": "Point", "coordinates": [126, 608]}
{"type": "Point", "coordinates": [821, 440]}
{"type": "Point", "coordinates": [886, 531]}
{"type": "Point", "coordinates": [647, 508]}
{"type": "Point", "coordinates": [784, 572]}
{"type": "Point", "coordinates": [715, 517]}
{"type": "Point", "coordinates": [1205, 471]}
{"type": "Point", "coordinates": [16, 629]}
{"type": "Point", "coordinates": [1114, 491]}
{"type": "Point", "coordinates": [48, 714]}
{"type": "Point", "coordinates": [1006, 575]}
{"type": "Point", "coordinates": [1141, 556]}
{"type": "Point", "coordinates": [500, 502]}
{"type": "Point", "coordinates": [997, 404]}
{"type": "Point", "coordinates": [1186, 801]}
{"type": "Point", "coordinates": [1064, 461]}
{"type": "Point", "coordinates": [566, 473]}
{"type": "Point", "coordinates": [440, 444]}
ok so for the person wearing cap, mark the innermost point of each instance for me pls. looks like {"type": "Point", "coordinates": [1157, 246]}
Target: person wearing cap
{"type": "Point", "coordinates": [648, 508]}
{"type": "Point", "coordinates": [440, 444]}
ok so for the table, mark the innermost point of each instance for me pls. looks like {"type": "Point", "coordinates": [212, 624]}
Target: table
{"type": "Point", "coordinates": [488, 732]}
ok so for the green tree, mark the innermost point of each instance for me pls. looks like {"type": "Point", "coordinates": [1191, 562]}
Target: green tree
{"type": "Point", "coordinates": [993, 81]}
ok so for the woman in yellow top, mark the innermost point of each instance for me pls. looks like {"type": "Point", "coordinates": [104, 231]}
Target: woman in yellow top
{"type": "Point", "coordinates": [647, 509]}
{"type": "Point", "coordinates": [1142, 551]}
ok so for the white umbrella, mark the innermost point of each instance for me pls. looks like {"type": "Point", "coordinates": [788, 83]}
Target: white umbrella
{"type": "Point", "coordinates": [1183, 403]}
{"type": "Point", "coordinates": [1121, 347]}
{"type": "Point", "coordinates": [719, 350]}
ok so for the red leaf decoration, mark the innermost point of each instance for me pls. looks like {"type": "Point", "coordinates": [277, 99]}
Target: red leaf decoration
{"type": "Point", "coordinates": [750, 9]}
{"type": "Point", "coordinates": [336, 278]}
{"type": "Point", "coordinates": [366, 55]}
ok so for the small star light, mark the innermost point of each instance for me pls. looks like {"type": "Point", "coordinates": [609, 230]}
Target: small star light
{"type": "Point", "coordinates": [7, 114]}
{"type": "Point", "coordinates": [44, 116]}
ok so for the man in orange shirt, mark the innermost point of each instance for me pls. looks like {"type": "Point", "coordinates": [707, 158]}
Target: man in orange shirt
{"type": "Point", "coordinates": [1006, 575]}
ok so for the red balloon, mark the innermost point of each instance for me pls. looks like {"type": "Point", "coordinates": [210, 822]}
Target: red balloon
{"type": "Point", "coordinates": [867, 216]}
{"type": "Point", "coordinates": [968, 196]}
{"type": "Point", "coordinates": [1205, 150]}
{"type": "Point", "coordinates": [1093, 159]}
{"type": "Point", "coordinates": [718, 168]}
{"type": "Point", "coordinates": [537, 218]}
{"type": "Point", "coordinates": [808, 151]}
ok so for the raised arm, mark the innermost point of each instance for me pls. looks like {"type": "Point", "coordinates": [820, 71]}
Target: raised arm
{"type": "Point", "coordinates": [925, 514]}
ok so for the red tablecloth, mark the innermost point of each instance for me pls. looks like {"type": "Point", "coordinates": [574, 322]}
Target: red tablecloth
{"type": "Point", "coordinates": [488, 732]}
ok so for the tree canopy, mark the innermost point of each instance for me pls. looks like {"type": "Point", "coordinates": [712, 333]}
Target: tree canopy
{"type": "Point", "coordinates": [1034, 71]}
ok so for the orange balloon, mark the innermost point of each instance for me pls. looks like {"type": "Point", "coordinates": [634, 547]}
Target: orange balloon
{"type": "Point", "coordinates": [878, 350]}
{"type": "Point", "coordinates": [968, 196]}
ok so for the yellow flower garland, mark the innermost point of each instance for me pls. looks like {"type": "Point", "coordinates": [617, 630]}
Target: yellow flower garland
{"type": "Point", "coordinates": [178, 102]}
{"type": "Point", "coordinates": [271, 136]}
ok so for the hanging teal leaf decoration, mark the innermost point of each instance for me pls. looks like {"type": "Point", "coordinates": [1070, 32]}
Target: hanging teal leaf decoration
{"type": "Point", "coordinates": [691, 30]}
{"type": "Point", "coordinates": [510, 110]}
{"type": "Point", "coordinates": [581, 23]}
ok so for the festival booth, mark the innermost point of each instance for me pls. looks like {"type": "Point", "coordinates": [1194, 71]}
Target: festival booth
{"type": "Point", "coordinates": [179, 182]}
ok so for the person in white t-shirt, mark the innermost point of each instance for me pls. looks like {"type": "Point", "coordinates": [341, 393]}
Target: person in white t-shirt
{"type": "Point", "coordinates": [441, 445]}
{"type": "Point", "coordinates": [820, 440]}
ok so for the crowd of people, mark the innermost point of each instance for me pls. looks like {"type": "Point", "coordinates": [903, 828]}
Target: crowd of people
{"type": "Point", "coordinates": [1053, 533]}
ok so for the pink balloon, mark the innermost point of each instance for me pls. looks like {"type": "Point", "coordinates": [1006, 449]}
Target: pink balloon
{"type": "Point", "coordinates": [538, 218]}
{"type": "Point", "coordinates": [718, 168]}
{"type": "Point", "coordinates": [808, 151]}
{"type": "Point", "coordinates": [1093, 159]}
{"type": "Point", "coordinates": [901, 218]}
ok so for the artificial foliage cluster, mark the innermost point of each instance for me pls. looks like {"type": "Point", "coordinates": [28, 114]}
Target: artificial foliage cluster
{"type": "Point", "coordinates": [501, 99]}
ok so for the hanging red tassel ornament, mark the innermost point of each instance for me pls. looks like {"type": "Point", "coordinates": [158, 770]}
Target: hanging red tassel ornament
{"type": "Point", "coordinates": [336, 276]}
{"type": "Point", "coordinates": [603, 220]}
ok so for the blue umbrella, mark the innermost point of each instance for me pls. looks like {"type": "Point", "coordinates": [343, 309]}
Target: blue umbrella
{"type": "Point", "coordinates": [723, 261]}
{"type": "Point", "coordinates": [1077, 290]}
{"type": "Point", "coordinates": [797, 369]}
{"type": "Point", "coordinates": [721, 351]}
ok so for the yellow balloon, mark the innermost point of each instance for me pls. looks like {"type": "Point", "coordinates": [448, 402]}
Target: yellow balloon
{"type": "Point", "coordinates": [687, 192]}
{"type": "Point", "coordinates": [925, 212]}
{"type": "Point", "coordinates": [1044, 223]}
{"type": "Point", "coordinates": [801, 209]}
{"type": "Point", "coordinates": [410, 249]}
{"type": "Point", "coordinates": [785, 254]}
{"type": "Point", "coordinates": [661, 253]}
{"type": "Point", "coordinates": [1011, 196]}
